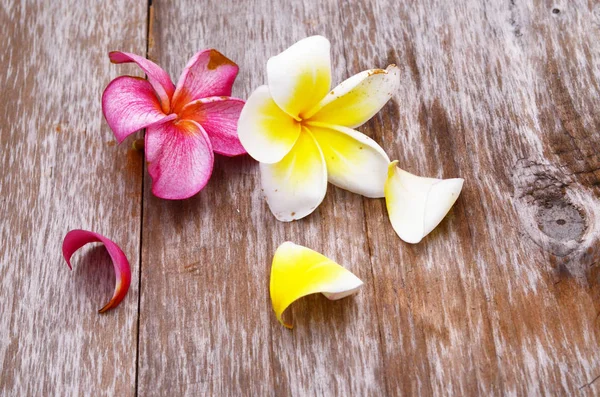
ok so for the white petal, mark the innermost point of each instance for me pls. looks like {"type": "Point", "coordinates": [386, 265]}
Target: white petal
{"type": "Point", "coordinates": [416, 205]}
{"type": "Point", "coordinates": [357, 99]}
{"type": "Point", "coordinates": [300, 76]}
{"type": "Point", "coordinates": [295, 186]}
{"type": "Point", "coordinates": [266, 132]}
{"type": "Point", "coordinates": [355, 162]}
{"type": "Point", "coordinates": [345, 287]}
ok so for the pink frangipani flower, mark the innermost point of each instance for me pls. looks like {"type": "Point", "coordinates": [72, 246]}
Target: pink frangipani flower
{"type": "Point", "coordinates": [184, 124]}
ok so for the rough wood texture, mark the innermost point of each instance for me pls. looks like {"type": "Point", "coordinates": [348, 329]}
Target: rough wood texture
{"type": "Point", "coordinates": [206, 261]}
{"type": "Point", "coordinates": [501, 299]}
{"type": "Point", "coordinates": [61, 169]}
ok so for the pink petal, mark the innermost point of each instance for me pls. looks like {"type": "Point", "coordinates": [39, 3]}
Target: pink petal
{"type": "Point", "coordinates": [180, 159]}
{"type": "Point", "coordinates": [160, 80]}
{"type": "Point", "coordinates": [76, 239]}
{"type": "Point", "coordinates": [219, 117]}
{"type": "Point", "coordinates": [208, 73]}
{"type": "Point", "coordinates": [129, 104]}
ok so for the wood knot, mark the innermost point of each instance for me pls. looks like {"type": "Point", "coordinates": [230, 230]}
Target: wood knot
{"type": "Point", "coordinates": [546, 208]}
{"type": "Point", "coordinates": [559, 215]}
{"type": "Point", "coordinates": [560, 220]}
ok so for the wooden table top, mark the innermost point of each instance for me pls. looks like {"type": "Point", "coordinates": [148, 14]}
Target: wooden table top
{"type": "Point", "coordinates": [501, 299]}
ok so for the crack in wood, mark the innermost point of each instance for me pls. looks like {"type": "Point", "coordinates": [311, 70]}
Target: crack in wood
{"type": "Point", "coordinates": [590, 383]}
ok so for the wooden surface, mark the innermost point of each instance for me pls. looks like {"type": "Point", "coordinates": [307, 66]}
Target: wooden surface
{"type": "Point", "coordinates": [501, 299]}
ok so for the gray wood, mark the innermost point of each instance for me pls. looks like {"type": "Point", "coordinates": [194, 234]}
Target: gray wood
{"type": "Point", "coordinates": [206, 261]}
{"type": "Point", "coordinates": [502, 298]}
{"type": "Point", "coordinates": [61, 169]}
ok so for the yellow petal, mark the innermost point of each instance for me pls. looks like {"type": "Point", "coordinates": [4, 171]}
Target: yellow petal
{"type": "Point", "coordinates": [355, 162]}
{"type": "Point", "coordinates": [357, 99]}
{"type": "Point", "coordinates": [298, 271]}
{"type": "Point", "coordinates": [295, 186]}
{"type": "Point", "coordinates": [266, 132]}
{"type": "Point", "coordinates": [416, 205]}
{"type": "Point", "coordinates": [300, 76]}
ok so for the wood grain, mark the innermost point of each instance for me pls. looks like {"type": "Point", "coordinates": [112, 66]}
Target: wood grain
{"type": "Point", "coordinates": [206, 261]}
{"type": "Point", "coordinates": [501, 299]}
{"type": "Point", "coordinates": [62, 170]}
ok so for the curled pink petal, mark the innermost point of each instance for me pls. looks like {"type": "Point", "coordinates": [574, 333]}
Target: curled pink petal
{"type": "Point", "coordinates": [208, 73]}
{"type": "Point", "coordinates": [129, 104]}
{"type": "Point", "coordinates": [76, 239]}
{"type": "Point", "coordinates": [219, 117]}
{"type": "Point", "coordinates": [180, 159]}
{"type": "Point", "coordinates": [160, 80]}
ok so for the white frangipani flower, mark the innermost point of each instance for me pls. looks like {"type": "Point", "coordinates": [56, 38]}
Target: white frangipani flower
{"type": "Point", "coordinates": [301, 131]}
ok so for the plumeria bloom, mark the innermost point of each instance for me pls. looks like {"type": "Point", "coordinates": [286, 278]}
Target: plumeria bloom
{"type": "Point", "coordinates": [76, 239]}
{"type": "Point", "coordinates": [184, 124]}
{"type": "Point", "coordinates": [416, 205]}
{"type": "Point", "coordinates": [302, 132]}
{"type": "Point", "coordinates": [298, 271]}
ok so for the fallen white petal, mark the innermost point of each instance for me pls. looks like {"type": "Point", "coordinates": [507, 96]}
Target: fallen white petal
{"type": "Point", "coordinates": [416, 205]}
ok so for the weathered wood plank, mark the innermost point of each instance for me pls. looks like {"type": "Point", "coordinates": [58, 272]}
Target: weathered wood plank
{"type": "Point", "coordinates": [61, 170]}
{"type": "Point", "coordinates": [503, 297]}
{"type": "Point", "coordinates": [206, 323]}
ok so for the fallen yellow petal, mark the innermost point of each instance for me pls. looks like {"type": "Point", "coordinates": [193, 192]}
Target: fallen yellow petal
{"type": "Point", "coordinates": [298, 271]}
